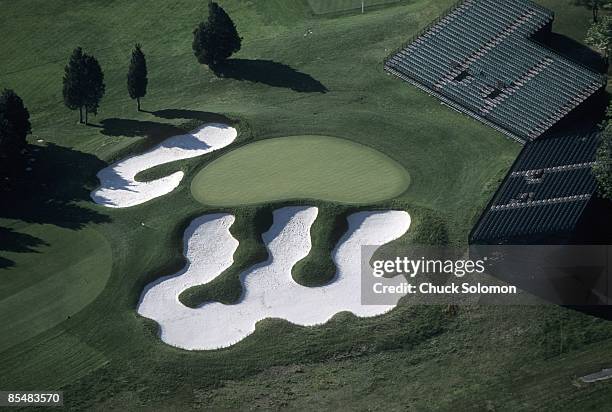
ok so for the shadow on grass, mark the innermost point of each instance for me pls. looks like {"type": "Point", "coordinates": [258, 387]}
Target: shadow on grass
{"type": "Point", "coordinates": [205, 117]}
{"type": "Point", "coordinates": [59, 178]}
{"type": "Point", "coordinates": [6, 263]}
{"type": "Point", "coordinates": [577, 51]}
{"type": "Point", "coordinates": [157, 132]}
{"type": "Point", "coordinates": [11, 241]}
{"type": "Point", "coordinates": [49, 192]}
{"type": "Point", "coordinates": [271, 73]}
{"type": "Point", "coordinates": [138, 128]}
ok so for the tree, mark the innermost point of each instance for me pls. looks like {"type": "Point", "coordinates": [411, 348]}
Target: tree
{"type": "Point", "coordinates": [216, 39]}
{"type": "Point", "coordinates": [14, 124]}
{"type": "Point", "coordinates": [74, 83]}
{"type": "Point", "coordinates": [603, 164]}
{"type": "Point", "coordinates": [595, 6]}
{"type": "Point", "coordinates": [83, 84]}
{"type": "Point", "coordinates": [599, 34]}
{"type": "Point", "coordinates": [137, 75]}
{"type": "Point", "coordinates": [94, 85]}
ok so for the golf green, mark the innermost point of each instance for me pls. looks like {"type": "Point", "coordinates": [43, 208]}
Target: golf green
{"type": "Point", "coordinates": [300, 167]}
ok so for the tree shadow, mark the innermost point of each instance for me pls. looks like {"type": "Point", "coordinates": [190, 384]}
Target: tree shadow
{"type": "Point", "coordinates": [47, 189]}
{"type": "Point", "coordinates": [156, 133]}
{"type": "Point", "coordinates": [206, 117]}
{"type": "Point", "coordinates": [49, 192]}
{"type": "Point", "coordinates": [271, 73]}
{"type": "Point", "coordinates": [6, 263]}
{"type": "Point", "coordinates": [139, 128]}
{"type": "Point", "coordinates": [11, 241]}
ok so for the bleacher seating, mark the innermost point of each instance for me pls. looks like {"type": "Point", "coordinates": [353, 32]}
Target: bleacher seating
{"type": "Point", "coordinates": [545, 192]}
{"type": "Point", "coordinates": [480, 58]}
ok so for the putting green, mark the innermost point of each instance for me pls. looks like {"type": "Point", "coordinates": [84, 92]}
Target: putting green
{"type": "Point", "coordinates": [300, 167]}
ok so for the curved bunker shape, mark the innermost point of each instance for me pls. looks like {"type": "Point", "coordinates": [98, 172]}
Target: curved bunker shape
{"type": "Point", "coordinates": [118, 185]}
{"type": "Point", "coordinates": [300, 167]}
{"type": "Point", "coordinates": [269, 290]}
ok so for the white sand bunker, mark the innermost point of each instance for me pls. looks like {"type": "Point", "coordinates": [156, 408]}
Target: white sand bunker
{"type": "Point", "coordinates": [118, 186]}
{"type": "Point", "coordinates": [269, 289]}
{"type": "Point", "coordinates": [602, 375]}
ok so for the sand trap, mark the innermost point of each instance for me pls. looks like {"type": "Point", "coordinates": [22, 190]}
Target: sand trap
{"type": "Point", "coordinates": [602, 375]}
{"type": "Point", "coordinates": [269, 289]}
{"type": "Point", "coordinates": [118, 187]}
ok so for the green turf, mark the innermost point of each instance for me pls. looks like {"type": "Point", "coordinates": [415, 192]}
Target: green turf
{"type": "Point", "coordinates": [45, 289]}
{"type": "Point", "coordinates": [282, 83]}
{"type": "Point", "coordinates": [335, 6]}
{"type": "Point", "coordinates": [300, 167]}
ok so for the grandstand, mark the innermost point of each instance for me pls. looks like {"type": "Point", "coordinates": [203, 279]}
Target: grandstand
{"type": "Point", "coordinates": [545, 192]}
{"type": "Point", "coordinates": [486, 58]}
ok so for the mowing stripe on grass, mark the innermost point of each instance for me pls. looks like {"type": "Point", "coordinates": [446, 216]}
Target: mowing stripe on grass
{"type": "Point", "coordinates": [335, 6]}
{"type": "Point", "coordinates": [58, 283]}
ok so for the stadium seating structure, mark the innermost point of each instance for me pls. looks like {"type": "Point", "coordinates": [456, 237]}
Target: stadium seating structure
{"type": "Point", "coordinates": [545, 192]}
{"type": "Point", "coordinates": [483, 57]}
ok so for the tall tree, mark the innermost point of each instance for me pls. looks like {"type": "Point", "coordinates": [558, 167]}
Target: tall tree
{"type": "Point", "coordinates": [215, 39]}
{"type": "Point", "coordinates": [137, 75]}
{"type": "Point", "coordinates": [83, 83]}
{"type": "Point", "coordinates": [14, 125]}
{"type": "Point", "coordinates": [74, 82]}
{"type": "Point", "coordinates": [603, 165]}
{"type": "Point", "coordinates": [94, 85]}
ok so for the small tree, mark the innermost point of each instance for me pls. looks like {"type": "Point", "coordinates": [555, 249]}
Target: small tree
{"type": "Point", "coordinates": [14, 124]}
{"type": "Point", "coordinates": [603, 165]}
{"type": "Point", "coordinates": [74, 82]}
{"type": "Point", "coordinates": [83, 84]}
{"type": "Point", "coordinates": [216, 39]}
{"type": "Point", "coordinates": [94, 85]}
{"type": "Point", "coordinates": [137, 75]}
{"type": "Point", "coordinates": [599, 34]}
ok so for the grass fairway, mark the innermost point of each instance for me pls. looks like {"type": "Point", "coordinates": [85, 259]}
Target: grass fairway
{"type": "Point", "coordinates": [47, 287]}
{"type": "Point", "coordinates": [282, 83]}
{"type": "Point", "coordinates": [300, 167]}
{"type": "Point", "coordinates": [336, 6]}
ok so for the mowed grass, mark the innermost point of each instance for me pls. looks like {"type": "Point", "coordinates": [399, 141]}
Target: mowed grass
{"type": "Point", "coordinates": [46, 287]}
{"type": "Point", "coordinates": [335, 6]}
{"type": "Point", "coordinates": [296, 74]}
{"type": "Point", "coordinates": [300, 167]}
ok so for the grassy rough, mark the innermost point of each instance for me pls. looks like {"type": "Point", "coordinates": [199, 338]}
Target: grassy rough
{"type": "Point", "coordinates": [429, 229]}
